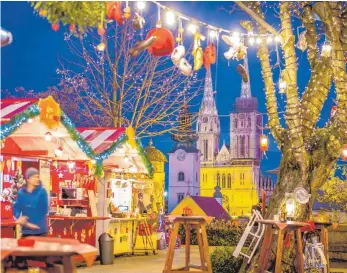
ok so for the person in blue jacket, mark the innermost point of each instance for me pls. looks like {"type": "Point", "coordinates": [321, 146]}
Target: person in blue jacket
{"type": "Point", "coordinates": [32, 205]}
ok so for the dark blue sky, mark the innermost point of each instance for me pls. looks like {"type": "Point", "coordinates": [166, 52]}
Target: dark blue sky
{"type": "Point", "coordinates": [31, 60]}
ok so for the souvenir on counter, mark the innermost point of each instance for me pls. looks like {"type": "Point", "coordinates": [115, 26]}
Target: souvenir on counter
{"type": "Point", "coordinates": [209, 55]}
{"type": "Point", "coordinates": [114, 11]}
{"type": "Point", "coordinates": [197, 51]}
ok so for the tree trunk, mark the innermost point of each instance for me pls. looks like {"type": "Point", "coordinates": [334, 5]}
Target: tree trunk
{"type": "Point", "coordinates": [290, 177]}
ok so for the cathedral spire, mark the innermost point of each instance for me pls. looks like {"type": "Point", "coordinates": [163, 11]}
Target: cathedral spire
{"type": "Point", "coordinates": [208, 106]}
{"type": "Point", "coordinates": [246, 86]}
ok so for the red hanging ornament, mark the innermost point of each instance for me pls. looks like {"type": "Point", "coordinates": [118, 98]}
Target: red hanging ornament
{"type": "Point", "coordinates": [55, 27]}
{"type": "Point", "coordinates": [72, 27]}
{"type": "Point", "coordinates": [114, 11]}
{"type": "Point", "coordinates": [101, 31]}
{"type": "Point", "coordinates": [164, 43]}
{"type": "Point", "coordinates": [209, 55]}
{"type": "Point", "coordinates": [333, 111]}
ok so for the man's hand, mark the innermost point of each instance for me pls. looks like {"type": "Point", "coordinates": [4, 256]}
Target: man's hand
{"type": "Point", "coordinates": [22, 220]}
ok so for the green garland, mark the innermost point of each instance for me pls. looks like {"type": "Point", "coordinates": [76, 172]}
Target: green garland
{"type": "Point", "coordinates": [34, 110]}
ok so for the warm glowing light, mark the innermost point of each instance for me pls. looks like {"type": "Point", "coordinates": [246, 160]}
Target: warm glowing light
{"type": "Point", "coordinates": [326, 50]}
{"type": "Point", "coordinates": [269, 40]}
{"type": "Point", "coordinates": [258, 40]}
{"type": "Point", "coordinates": [213, 34]}
{"type": "Point", "coordinates": [101, 46]}
{"type": "Point", "coordinates": [344, 152]}
{"type": "Point", "coordinates": [264, 143]}
{"type": "Point", "coordinates": [282, 86]}
{"type": "Point", "coordinates": [192, 28]}
{"type": "Point", "coordinates": [170, 18]}
{"type": "Point", "coordinates": [126, 159]}
{"type": "Point", "coordinates": [251, 40]}
{"type": "Point", "coordinates": [235, 38]}
{"type": "Point", "coordinates": [30, 120]}
{"type": "Point", "coordinates": [277, 39]}
{"type": "Point", "coordinates": [71, 164]}
{"type": "Point", "coordinates": [141, 5]}
{"type": "Point", "coordinates": [290, 207]}
{"type": "Point", "coordinates": [48, 136]}
{"type": "Point", "coordinates": [59, 151]}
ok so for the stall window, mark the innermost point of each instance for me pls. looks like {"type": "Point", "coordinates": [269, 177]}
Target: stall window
{"type": "Point", "coordinates": [181, 176]}
{"type": "Point", "coordinates": [180, 196]}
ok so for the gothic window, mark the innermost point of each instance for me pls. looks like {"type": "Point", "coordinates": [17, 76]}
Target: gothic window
{"type": "Point", "coordinates": [242, 145]}
{"type": "Point", "coordinates": [181, 176]}
{"type": "Point", "coordinates": [242, 179]}
{"type": "Point", "coordinates": [241, 123]}
{"type": "Point", "coordinates": [223, 181]}
{"type": "Point", "coordinates": [180, 196]}
{"type": "Point", "coordinates": [218, 179]}
{"type": "Point", "coordinates": [249, 122]}
{"type": "Point", "coordinates": [229, 181]}
{"type": "Point", "coordinates": [205, 149]}
{"type": "Point", "coordinates": [211, 129]}
{"type": "Point", "coordinates": [196, 177]}
{"type": "Point", "coordinates": [235, 123]}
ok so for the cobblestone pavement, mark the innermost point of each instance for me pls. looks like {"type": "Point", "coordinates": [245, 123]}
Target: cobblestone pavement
{"type": "Point", "coordinates": [155, 263]}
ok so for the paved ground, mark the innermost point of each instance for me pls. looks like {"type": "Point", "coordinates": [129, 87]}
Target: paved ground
{"type": "Point", "coordinates": [155, 263]}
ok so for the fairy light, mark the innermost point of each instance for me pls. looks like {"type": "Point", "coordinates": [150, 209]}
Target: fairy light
{"type": "Point", "coordinates": [213, 34]}
{"type": "Point", "coordinates": [251, 40]}
{"type": "Point", "coordinates": [235, 38]}
{"type": "Point", "coordinates": [282, 86]}
{"type": "Point", "coordinates": [269, 40]}
{"type": "Point", "coordinates": [141, 5]}
{"type": "Point", "coordinates": [101, 46]}
{"type": "Point", "coordinates": [277, 39]}
{"type": "Point", "coordinates": [344, 152]}
{"type": "Point", "coordinates": [170, 18]}
{"type": "Point", "coordinates": [192, 28]}
{"type": "Point", "coordinates": [326, 50]}
{"type": "Point", "coordinates": [258, 40]}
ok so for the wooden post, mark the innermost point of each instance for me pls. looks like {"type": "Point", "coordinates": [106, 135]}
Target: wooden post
{"type": "Point", "coordinates": [205, 246]}
{"type": "Point", "coordinates": [265, 250]}
{"type": "Point", "coordinates": [187, 227]}
{"type": "Point", "coordinates": [279, 252]}
{"type": "Point", "coordinates": [201, 248]}
{"type": "Point", "coordinates": [171, 250]}
{"type": "Point", "coordinates": [299, 253]}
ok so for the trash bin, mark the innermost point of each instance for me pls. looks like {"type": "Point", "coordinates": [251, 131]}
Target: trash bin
{"type": "Point", "coordinates": [106, 246]}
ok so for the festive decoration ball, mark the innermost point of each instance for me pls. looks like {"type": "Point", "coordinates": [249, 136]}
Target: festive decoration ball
{"type": "Point", "coordinates": [43, 13]}
{"type": "Point", "coordinates": [127, 13]}
{"type": "Point", "coordinates": [101, 31]}
{"type": "Point", "coordinates": [164, 43]}
{"type": "Point", "coordinates": [55, 27]}
{"type": "Point", "coordinates": [101, 46]}
{"type": "Point", "coordinates": [72, 27]}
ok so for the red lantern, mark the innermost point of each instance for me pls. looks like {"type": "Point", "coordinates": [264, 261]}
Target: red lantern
{"type": "Point", "coordinates": [333, 111]}
{"type": "Point", "coordinates": [114, 12]}
{"type": "Point", "coordinates": [264, 143]}
{"type": "Point", "coordinates": [344, 153]}
{"type": "Point", "coordinates": [164, 43]}
{"type": "Point", "coordinates": [55, 27]}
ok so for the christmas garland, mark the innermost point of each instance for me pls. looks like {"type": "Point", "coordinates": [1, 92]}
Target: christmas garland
{"type": "Point", "coordinates": [34, 110]}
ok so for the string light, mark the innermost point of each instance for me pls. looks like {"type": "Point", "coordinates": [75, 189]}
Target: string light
{"type": "Point", "coordinates": [170, 18]}
{"type": "Point", "coordinates": [277, 39]}
{"type": "Point", "coordinates": [213, 34]}
{"type": "Point", "coordinates": [258, 40]}
{"type": "Point", "coordinates": [344, 152]}
{"type": "Point", "coordinates": [141, 5]}
{"type": "Point", "coordinates": [192, 28]}
{"type": "Point", "coordinates": [251, 40]}
{"type": "Point", "coordinates": [269, 40]}
{"type": "Point", "coordinates": [326, 50]}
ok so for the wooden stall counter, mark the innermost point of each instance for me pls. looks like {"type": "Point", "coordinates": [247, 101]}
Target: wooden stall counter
{"type": "Point", "coordinates": [74, 227]}
{"type": "Point", "coordinates": [8, 228]}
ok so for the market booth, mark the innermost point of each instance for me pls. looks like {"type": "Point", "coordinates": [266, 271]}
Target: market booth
{"type": "Point", "coordinates": [99, 179]}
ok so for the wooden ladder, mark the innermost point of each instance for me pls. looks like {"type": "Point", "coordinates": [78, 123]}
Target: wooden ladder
{"type": "Point", "coordinates": [146, 236]}
{"type": "Point", "coordinates": [255, 234]}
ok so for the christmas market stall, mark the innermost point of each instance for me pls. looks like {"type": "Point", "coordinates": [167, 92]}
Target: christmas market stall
{"type": "Point", "coordinates": [36, 133]}
{"type": "Point", "coordinates": [127, 191]}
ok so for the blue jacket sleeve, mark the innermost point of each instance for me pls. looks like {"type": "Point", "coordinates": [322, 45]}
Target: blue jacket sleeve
{"type": "Point", "coordinates": [17, 208]}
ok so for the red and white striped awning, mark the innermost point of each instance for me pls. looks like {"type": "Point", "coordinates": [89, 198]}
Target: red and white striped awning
{"type": "Point", "coordinates": [100, 139]}
{"type": "Point", "coordinates": [11, 107]}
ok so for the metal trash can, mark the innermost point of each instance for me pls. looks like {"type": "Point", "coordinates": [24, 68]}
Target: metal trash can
{"type": "Point", "coordinates": [106, 247]}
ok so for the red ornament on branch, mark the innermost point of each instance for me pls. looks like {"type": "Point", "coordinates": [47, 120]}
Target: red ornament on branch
{"type": "Point", "coordinates": [114, 12]}
{"type": "Point", "coordinates": [55, 27]}
{"type": "Point", "coordinates": [164, 42]}
{"type": "Point", "coordinates": [333, 111]}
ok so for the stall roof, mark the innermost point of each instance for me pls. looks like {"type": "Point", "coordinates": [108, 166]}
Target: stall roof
{"type": "Point", "coordinates": [107, 144]}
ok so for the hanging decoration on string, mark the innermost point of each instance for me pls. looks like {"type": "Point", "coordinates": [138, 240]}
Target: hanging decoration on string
{"type": "Point", "coordinates": [50, 112]}
{"type": "Point", "coordinates": [114, 11]}
{"type": "Point", "coordinates": [127, 11]}
{"type": "Point", "coordinates": [209, 55]}
{"type": "Point", "coordinates": [242, 71]}
{"type": "Point", "coordinates": [138, 22]}
{"type": "Point", "coordinates": [237, 50]}
{"type": "Point", "coordinates": [197, 50]}
{"type": "Point", "coordinates": [264, 143]}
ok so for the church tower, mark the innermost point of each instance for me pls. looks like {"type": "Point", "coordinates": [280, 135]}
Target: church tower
{"type": "Point", "coordinates": [184, 162]}
{"type": "Point", "coordinates": [245, 124]}
{"type": "Point", "coordinates": [208, 125]}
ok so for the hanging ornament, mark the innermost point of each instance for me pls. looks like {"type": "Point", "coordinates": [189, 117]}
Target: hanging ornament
{"type": "Point", "coordinates": [127, 11]}
{"type": "Point", "coordinates": [197, 51]}
{"type": "Point", "coordinates": [55, 27]}
{"type": "Point", "coordinates": [43, 13]}
{"type": "Point", "coordinates": [101, 30]}
{"type": "Point", "coordinates": [302, 42]}
{"type": "Point", "coordinates": [333, 111]}
{"type": "Point", "coordinates": [237, 49]}
{"type": "Point", "coordinates": [163, 44]}
{"type": "Point", "coordinates": [264, 143]}
{"type": "Point", "coordinates": [50, 112]}
{"type": "Point", "coordinates": [177, 54]}
{"type": "Point", "coordinates": [242, 71]}
{"type": "Point", "coordinates": [101, 46]}
{"type": "Point", "coordinates": [185, 68]}
{"type": "Point", "coordinates": [344, 153]}
{"type": "Point", "coordinates": [179, 38]}
{"type": "Point", "coordinates": [209, 55]}
{"type": "Point", "coordinates": [282, 86]}
{"type": "Point", "coordinates": [114, 11]}
{"type": "Point", "coordinates": [72, 27]}
{"type": "Point", "coordinates": [138, 22]}
{"type": "Point", "coordinates": [140, 46]}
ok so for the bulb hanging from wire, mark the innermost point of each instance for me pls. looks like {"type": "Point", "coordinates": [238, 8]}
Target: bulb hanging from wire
{"type": "Point", "coordinates": [251, 41]}
{"type": "Point", "coordinates": [213, 34]}
{"type": "Point", "coordinates": [192, 28]}
{"type": "Point", "coordinates": [141, 5]}
{"type": "Point", "coordinates": [258, 41]}
{"type": "Point", "coordinates": [170, 18]}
